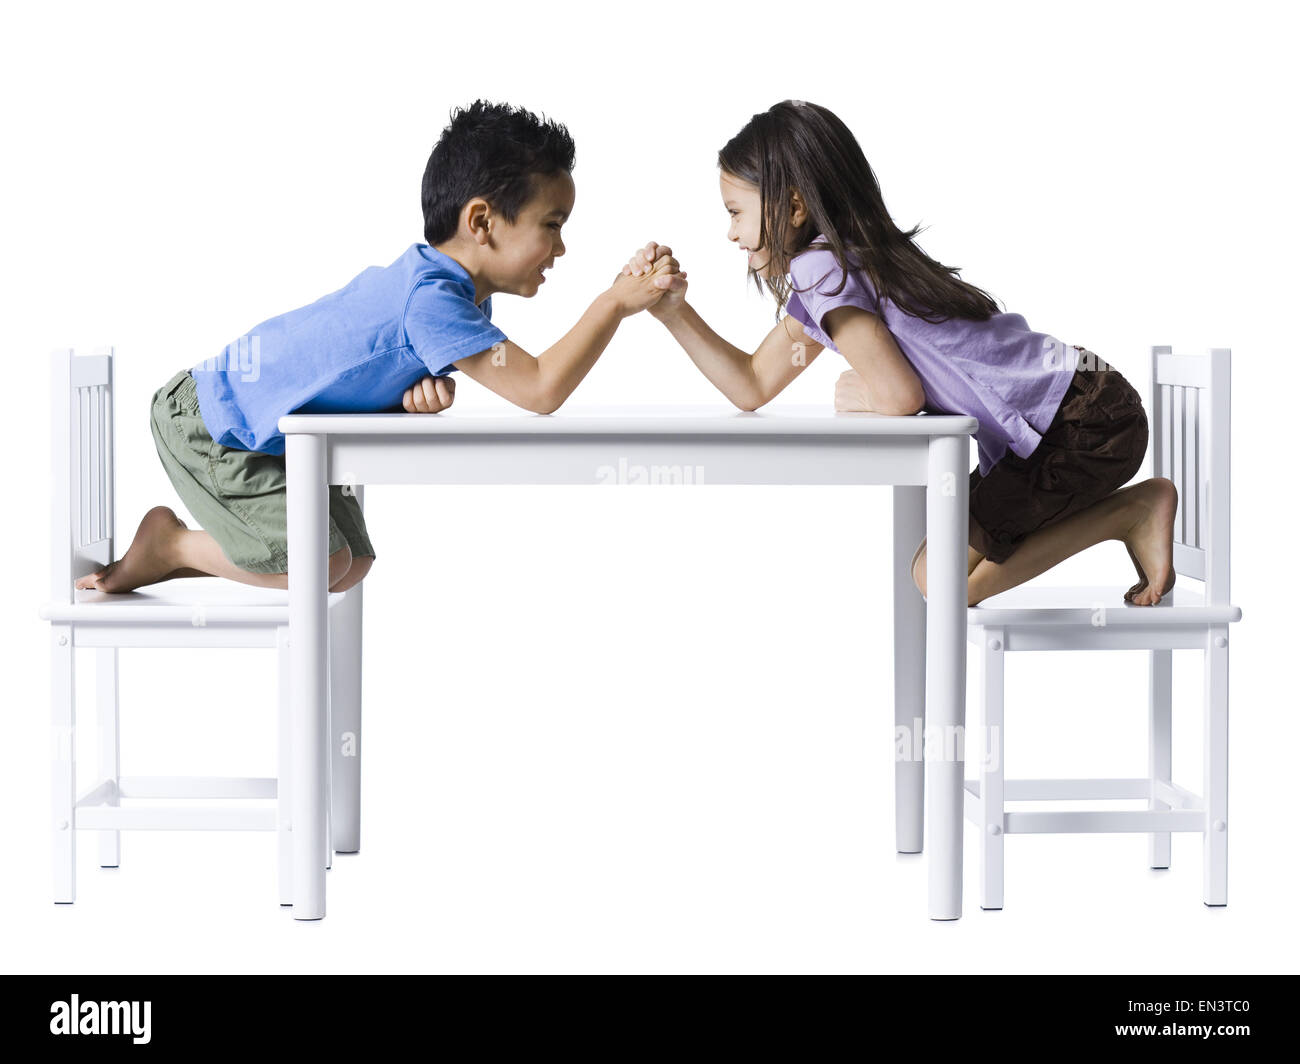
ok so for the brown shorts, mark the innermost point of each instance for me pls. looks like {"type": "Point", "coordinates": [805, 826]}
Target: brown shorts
{"type": "Point", "coordinates": [1093, 447]}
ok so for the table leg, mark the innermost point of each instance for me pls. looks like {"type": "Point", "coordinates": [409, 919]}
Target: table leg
{"type": "Point", "coordinates": [947, 523]}
{"type": "Point", "coordinates": [345, 706]}
{"type": "Point", "coordinates": [909, 673]}
{"type": "Point", "coordinates": [308, 511]}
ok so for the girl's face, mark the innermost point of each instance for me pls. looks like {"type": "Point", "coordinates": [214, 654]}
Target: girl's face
{"type": "Point", "coordinates": [745, 205]}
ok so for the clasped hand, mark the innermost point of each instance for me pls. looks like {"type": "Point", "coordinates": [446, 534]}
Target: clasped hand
{"type": "Point", "coordinates": [653, 280]}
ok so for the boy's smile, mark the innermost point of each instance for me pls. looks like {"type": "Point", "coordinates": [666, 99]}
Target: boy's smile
{"type": "Point", "coordinates": [513, 257]}
{"type": "Point", "coordinates": [529, 247]}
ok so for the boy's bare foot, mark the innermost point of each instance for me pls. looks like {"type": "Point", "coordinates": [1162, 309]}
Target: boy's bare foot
{"type": "Point", "coordinates": [1150, 541]}
{"type": "Point", "coordinates": [149, 560]}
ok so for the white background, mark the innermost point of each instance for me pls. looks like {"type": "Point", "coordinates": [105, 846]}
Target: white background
{"type": "Point", "coordinates": [647, 729]}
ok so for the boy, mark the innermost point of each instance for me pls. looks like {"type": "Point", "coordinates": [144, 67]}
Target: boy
{"type": "Point", "coordinates": [497, 190]}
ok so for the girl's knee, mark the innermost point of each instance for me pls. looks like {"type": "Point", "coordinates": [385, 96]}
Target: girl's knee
{"type": "Point", "coordinates": [973, 559]}
{"type": "Point", "coordinates": [918, 568]}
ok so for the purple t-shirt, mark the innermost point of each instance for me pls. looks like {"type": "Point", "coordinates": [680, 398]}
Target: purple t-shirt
{"type": "Point", "coordinates": [999, 371]}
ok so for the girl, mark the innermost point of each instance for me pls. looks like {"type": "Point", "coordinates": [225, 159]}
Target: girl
{"type": "Point", "coordinates": [1059, 430]}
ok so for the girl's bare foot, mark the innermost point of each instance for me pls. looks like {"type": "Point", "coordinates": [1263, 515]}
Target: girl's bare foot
{"type": "Point", "coordinates": [1142, 577]}
{"type": "Point", "coordinates": [1150, 541]}
{"type": "Point", "coordinates": [149, 560]}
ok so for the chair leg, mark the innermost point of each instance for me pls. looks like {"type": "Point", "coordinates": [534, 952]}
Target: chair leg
{"type": "Point", "coordinates": [110, 748]}
{"type": "Point", "coordinates": [991, 772]}
{"type": "Point", "coordinates": [63, 719]}
{"type": "Point", "coordinates": [1159, 744]}
{"type": "Point", "coordinates": [284, 840]}
{"type": "Point", "coordinates": [1215, 854]}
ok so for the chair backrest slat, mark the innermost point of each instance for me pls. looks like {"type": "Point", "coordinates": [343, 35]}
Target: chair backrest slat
{"type": "Point", "coordinates": [1176, 470]}
{"type": "Point", "coordinates": [82, 427]}
{"type": "Point", "coordinates": [1191, 445]}
{"type": "Point", "coordinates": [1192, 464]}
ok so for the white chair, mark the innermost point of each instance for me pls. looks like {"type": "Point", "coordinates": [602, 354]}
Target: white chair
{"type": "Point", "coordinates": [1191, 435]}
{"type": "Point", "coordinates": [199, 612]}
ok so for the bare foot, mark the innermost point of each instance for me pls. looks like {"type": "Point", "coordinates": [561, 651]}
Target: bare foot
{"type": "Point", "coordinates": [149, 560]}
{"type": "Point", "coordinates": [1150, 540]}
{"type": "Point", "coordinates": [1142, 577]}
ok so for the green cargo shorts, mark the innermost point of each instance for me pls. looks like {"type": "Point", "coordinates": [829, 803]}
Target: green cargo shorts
{"type": "Point", "coordinates": [239, 496]}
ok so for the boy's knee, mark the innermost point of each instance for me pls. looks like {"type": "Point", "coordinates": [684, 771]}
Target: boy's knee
{"type": "Point", "coordinates": [355, 574]}
{"type": "Point", "coordinates": [340, 563]}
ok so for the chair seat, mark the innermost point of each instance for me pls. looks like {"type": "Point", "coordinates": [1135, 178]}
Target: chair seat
{"type": "Point", "coordinates": [1046, 605]}
{"type": "Point", "coordinates": [213, 600]}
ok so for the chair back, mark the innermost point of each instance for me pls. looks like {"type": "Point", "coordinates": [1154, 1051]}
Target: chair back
{"type": "Point", "coordinates": [82, 428]}
{"type": "Point", "coordinates": [1192, 446]}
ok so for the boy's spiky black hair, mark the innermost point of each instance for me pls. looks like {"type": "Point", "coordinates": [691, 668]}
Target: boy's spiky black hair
{"type": "Point", "coordinates": [489, 150]}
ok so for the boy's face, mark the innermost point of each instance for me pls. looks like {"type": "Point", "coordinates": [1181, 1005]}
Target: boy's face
{"type": "Point", "coordinates": [745, 206]}
{"type": "Point", "coordinates": [531, 244]}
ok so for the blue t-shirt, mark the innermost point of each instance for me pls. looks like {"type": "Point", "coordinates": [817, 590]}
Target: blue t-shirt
{"type": "Point", "coordinates": [1009, 377]}
{"type": "Point", "coordinates": [352, 351]}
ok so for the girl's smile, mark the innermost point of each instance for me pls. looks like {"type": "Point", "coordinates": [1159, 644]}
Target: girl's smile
{"type": "Point", "coordinates": [744, 204]}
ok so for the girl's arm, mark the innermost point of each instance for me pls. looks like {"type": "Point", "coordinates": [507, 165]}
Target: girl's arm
{"type": "Point", "coordinates": [887, 381]}
{"type": "Point", "coordinates": [882, 380]}
{"type": "Point", "coordinates": [747, 380]}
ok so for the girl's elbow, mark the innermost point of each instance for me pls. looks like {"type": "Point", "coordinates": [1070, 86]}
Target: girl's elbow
{"type": "Point", "coordinates": [911, 403]}
{"type": "Point", "coordinates": [918, 397]}
{"type": "Point", "coordinates": [752, 394]}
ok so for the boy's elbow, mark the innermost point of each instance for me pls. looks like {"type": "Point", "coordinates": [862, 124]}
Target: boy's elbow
{"type": "Point", "coordinates": [544, 399]}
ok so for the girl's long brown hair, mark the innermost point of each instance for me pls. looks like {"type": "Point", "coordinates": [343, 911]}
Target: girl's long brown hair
{"type": "Point", "coordinates": [799, 145]}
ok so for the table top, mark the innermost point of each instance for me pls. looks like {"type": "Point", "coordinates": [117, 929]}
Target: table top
{"type": "Point", "coordinates": [647, 419]}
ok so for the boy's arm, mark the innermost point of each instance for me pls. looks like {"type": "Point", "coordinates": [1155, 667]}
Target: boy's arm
{"type": "Point", "coordinates": [543, 383]}
{"type": "Point", "coordinates": [430, 395]}
{"type": "Point", "coordinates": [747, 380]}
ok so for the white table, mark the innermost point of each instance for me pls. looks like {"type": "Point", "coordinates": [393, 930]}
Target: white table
{"type": "Point", "coordinates": [925, 458]}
